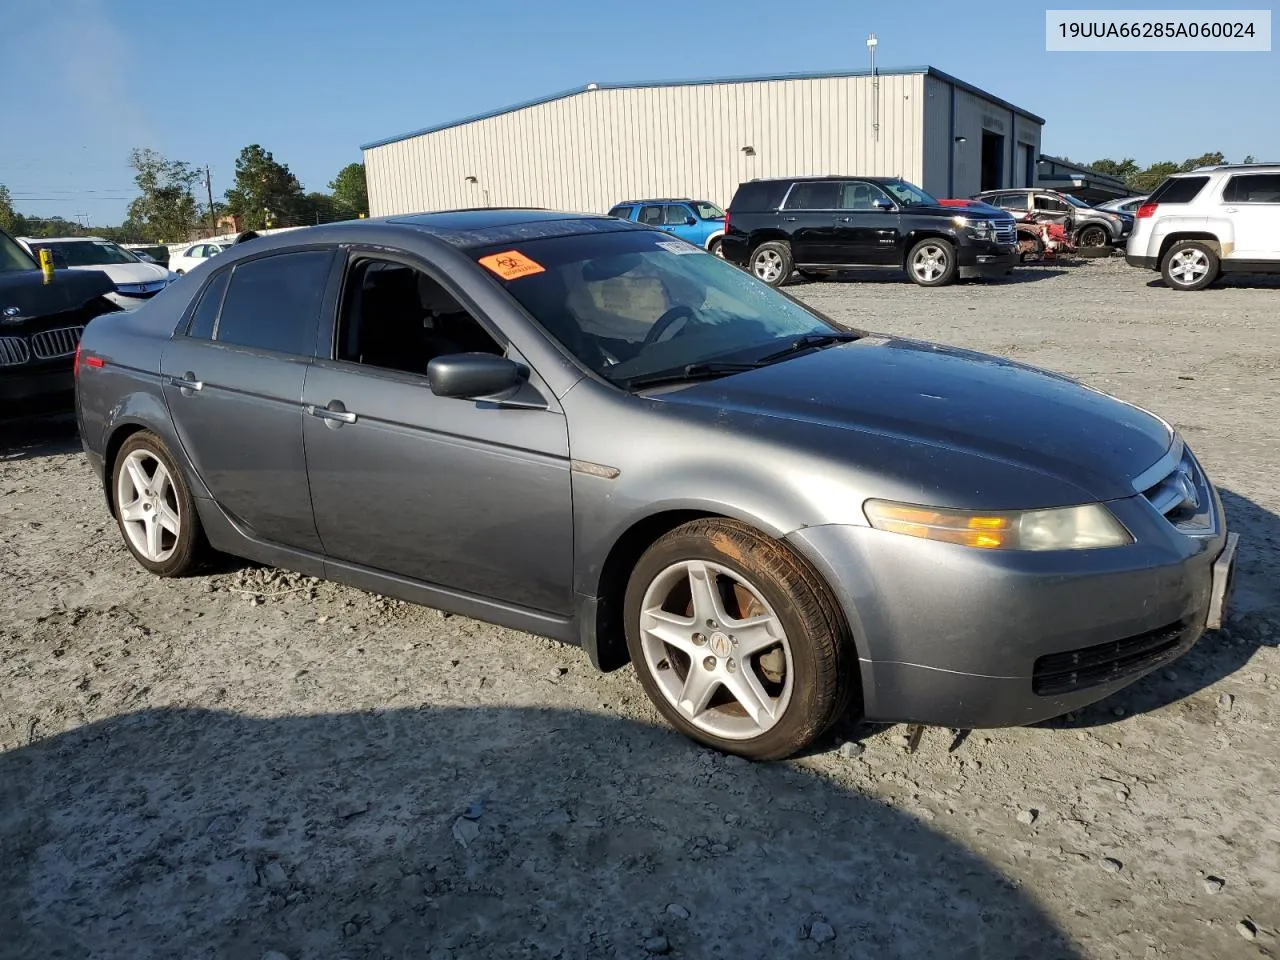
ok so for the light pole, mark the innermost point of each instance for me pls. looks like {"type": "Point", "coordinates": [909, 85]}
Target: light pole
{"type": "Point", "coordinates": [872, 43]}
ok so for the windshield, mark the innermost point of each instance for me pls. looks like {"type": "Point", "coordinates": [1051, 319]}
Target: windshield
{"type": "Point", "coordinates": [13, 257]}
{"type": "Point", "coordinates": [1077, 202]}
{"type": "Point", "coordinates": [908, 194]}
{"type": "Point", "coordinates": [707, 211]}
{"type": "Point", "coordinates": [88, 253]}
{"type": "Point", "coordinates": [633, 304]}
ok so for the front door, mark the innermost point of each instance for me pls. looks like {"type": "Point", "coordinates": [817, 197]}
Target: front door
{"type": "Point", "coordinates": [808, 216]}
{"type": "Point", "coordinates": [1251, 201]}
{"type": "Point", "coordinates": [864, 232]}
{"type": "Point", "coordinates": [233, 381]}
{"type": "Point", "coordinates": [677, 222]}
{"type": "Point", "coordinates": [470, 496]}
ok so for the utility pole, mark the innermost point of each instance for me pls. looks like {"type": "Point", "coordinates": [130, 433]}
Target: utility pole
{"type": "Point", "coordinates": [208, 185]}
{"type": "Point", "coordinates": [872, 43]}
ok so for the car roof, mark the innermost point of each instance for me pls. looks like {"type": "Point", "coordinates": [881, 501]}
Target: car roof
{"type": "Point", "coordinates": [632, 203]}
{"type": "Point", "coordinates": [824, 177]}
{"type": "Point", "coordinates": [1228, 167]}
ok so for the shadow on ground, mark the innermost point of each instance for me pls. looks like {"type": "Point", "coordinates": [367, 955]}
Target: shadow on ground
{"type": "Point", "coordinates": [483, 832]}
{"type": "Point", "coordinates": [1027, 273]}
{"type": "Point", "coordinates": [1235, 281]}
{"type": "Point", "coordinates": [45, 435]}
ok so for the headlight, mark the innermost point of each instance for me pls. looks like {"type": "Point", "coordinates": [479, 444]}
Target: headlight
{"type": "Point", "coordinates": [1086, 527]}
{"type": "Point", "coordinates": [982, 229]}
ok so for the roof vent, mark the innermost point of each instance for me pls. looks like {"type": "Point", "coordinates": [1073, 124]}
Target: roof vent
{"type": "Point", "coordinates": [593, 86]}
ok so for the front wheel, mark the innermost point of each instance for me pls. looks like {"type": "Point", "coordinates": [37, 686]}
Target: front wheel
{"type": "Point", "coordinates": [771, 262]}
{"type": "Point", "coordinates": [736, 640]}
{"type": "Point", "coordinates": [1190, 265]}
{"type": "Point", "coordinates": [932, 262]}
{"type": "Point", "coordinates": [1092, 236]}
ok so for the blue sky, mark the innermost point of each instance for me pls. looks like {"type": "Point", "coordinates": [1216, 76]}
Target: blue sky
{"type": "Point", "coordinates": [313, 79]}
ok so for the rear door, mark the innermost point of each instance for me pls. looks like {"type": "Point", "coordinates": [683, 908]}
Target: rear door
{"type": "Point", "coordinates": [233, 381]}
{"type": "Point", "coordinates": [865, 233]}
{"type": "Point", "coordinates": [1252, 203]}
{"type": "Point", "coordinates": [809, 217]}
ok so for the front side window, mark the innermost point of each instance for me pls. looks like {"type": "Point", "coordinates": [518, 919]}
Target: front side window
{"type": "Point", "coordinates": [1051, 204]}
{"type": "Point", "coordinates": [398, 318]}
{"type": "Point", "coordinates": [813, 195]}
{"type": "Point", "coordinates": [274, 303]}
{"type": "Point", "coordinates": [678, 215]}
{"type": "Point", "coordinates": [1253, 188]}
{"type": "Point", "coordinates": [909, 195]}
{"type": "Point", "coordinates": [860, 196]}
{"type": "Point", "coordinates": [633, 304]}
{"type": "Point", "coordinates": [707, 211]}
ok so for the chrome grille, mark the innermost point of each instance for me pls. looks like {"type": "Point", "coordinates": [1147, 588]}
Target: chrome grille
{"type": "Point", "coordinates": [56, 343]}
{"type": "Point", "coordinates": [13, 350]}
{"type": "Point", "coordinates": [1183, 496]}
{"type": "Point", "coordinates": [1006, 232]}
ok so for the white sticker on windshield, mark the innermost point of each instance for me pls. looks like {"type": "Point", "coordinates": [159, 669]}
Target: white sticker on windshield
{"type": "Point", "coordinates": [679, 246]}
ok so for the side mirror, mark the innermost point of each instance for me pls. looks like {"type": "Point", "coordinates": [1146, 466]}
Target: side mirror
{"type": "Point", "coordinates": [880, 203]}
{"type": "Point", "coordinates": [473, 376]}
{"type": "Point", "coordinates": [691, 221]}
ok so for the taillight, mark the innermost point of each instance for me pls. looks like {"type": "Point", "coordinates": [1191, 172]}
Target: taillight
{"type": "Point", "coordinates": [726, 222]}
{"type": "Point", "coordinates": [1147, 210]}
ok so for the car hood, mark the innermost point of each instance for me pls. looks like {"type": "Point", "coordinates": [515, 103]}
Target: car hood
{"type": "Point", "coordinates": [24, 295]}
{"type": "Point", "coordinates": [984, 212]}
{"type": "Point", "coordinates": [944, 398]}
{"type": "Point", "coordinates": [131, 272]}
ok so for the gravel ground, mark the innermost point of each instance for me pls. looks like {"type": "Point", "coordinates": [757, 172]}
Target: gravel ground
{"type": "Point", "coordinates": [254, 764]}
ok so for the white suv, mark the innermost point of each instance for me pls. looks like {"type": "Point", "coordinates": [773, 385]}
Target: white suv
{"type": "Point", "coordinates": [1197, 226]}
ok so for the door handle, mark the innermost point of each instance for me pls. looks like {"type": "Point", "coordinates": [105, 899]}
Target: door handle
{"type": "Point", "coordinates": [844, 219]}
{"type": "Point", "coordinates": [1230, 210]}
{"type": "Point", "coordinates": [336, 416]}
{"type": "Point", "coordinates": [187, 383]}
{"type": "Point", "coordinates": [789, 219]}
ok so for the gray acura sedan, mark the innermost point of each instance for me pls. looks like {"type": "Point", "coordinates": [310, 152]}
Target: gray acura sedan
{"type": "Point", "coordinates": [586, 429]}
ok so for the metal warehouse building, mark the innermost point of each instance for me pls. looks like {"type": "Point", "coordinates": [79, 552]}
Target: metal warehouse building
{"type": "Point", "coordinates": [587, 149]}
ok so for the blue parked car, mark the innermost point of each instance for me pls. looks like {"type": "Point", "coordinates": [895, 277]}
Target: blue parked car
{"type": "Point", "coordinates": [697, 221]}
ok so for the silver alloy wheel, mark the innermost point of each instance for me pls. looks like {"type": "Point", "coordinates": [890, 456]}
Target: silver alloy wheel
{"type": "Point", "coordinates": [148, 505]}
{"type": "Point", "coordinates": [929, 263]}
{"type": "Point", "coordinates": [1189, 266]}
{"type": "Point", "coordinates": [718, 250]}
{"type": "Point", "coordinates": [767, 265]}
{"type": "Point", "coordinates": [731, 677]}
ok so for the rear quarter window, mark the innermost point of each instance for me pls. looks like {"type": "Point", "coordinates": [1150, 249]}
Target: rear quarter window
{"type": "Point", "coordinates": [1178, 190]}
{"type": "Point", "coordinates": [622, 213]}
{"type": "Point", "coordinates": [759, 196]}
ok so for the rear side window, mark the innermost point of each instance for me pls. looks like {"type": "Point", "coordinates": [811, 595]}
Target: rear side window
{"type": "Point", "coordinates": [274, 303]}
{"type": "Point", "coordinates": [1178, 190]}
{"type": "Point", "coordinates": [651, 215]}
{"type": "Point", "coordinates": [822, 195]}
{"type": "Point", "coordinates": [207, 309]}
{"type": "Point", "coordinates": [1253, 188]}
{"type": "Point", "coordinates": [759, 195]}
{"type": "Point", "coordinates": [622, 213]}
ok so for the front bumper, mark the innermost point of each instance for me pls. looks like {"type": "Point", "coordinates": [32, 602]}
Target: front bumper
{"type": "Point", "coordinates": [951, 636]}
{"type": "Point", "coordinates": [987, 260]}
{"type": "Point", "coordinates": [47, 385]}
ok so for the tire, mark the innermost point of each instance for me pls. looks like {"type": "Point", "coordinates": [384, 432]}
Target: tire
{"type": "Point", "coordinates": [1189, 265]}
{"type": "Point", "coordinates": [179, 272]}
{"type": "Point", "coordinates": [714, 248]}
{"type": "Point", "coordinates": [932, 262]}
{"type": "Point", "coordinates": [1035, 253]}
{"type": "Point", "coordinates": [155, 544]}
{"type": "Point", "coordinates": [801, 677]}
{"type": "Point", "coordinates": [1092, 236]}
{"type": "Point", "coordinates": [771, 262]}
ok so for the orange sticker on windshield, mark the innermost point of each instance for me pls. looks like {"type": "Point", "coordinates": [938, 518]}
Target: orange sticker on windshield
{"type": "Point", "coordinates": [511, 265]}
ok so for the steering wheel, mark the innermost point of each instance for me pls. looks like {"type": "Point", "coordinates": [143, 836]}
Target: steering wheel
{"type": "Point", "coordinates": [666, 321]}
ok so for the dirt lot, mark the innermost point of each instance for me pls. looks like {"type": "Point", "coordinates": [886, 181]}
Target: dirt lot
{"type": "Point", "coordinates": [253, 764]}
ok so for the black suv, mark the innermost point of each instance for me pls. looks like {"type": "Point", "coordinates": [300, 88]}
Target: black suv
{"type": "Point", "coordinates": [821, 225]}
{"type": "Point", "coordinates": [1087, 226]}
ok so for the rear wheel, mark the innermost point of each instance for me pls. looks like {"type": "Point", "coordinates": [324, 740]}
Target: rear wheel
{"type": "Point", "coordinates": [932, 262]}
{"type": "Point", "coordinates": [714, 248]}
{"type": "Point", "coordinates": [736, 640]}
{"type": "Point", "coordinates": [771, 262]}
{"type": "Point", "coordinates": [1189, 265]}
{"type": "Point", "coordinates": [154, 508]}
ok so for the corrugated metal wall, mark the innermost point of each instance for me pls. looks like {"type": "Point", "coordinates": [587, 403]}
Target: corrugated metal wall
{"type": "Point", "coordinates": [592, 149]}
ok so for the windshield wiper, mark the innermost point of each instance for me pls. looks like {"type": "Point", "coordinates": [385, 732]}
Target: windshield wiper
{"type": "Point", "coordinates": [690, 371]}
{"type": "Point", "coordinates": [808, 342]}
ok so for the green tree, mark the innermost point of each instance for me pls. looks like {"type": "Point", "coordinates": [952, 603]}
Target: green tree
{"type": "Point", "coordinates": [265, 192]}
{"type": "Point", "coordinates": [166, 210]}
{"type": "Point", "coordinates": [1125, 169]}
{"type": "Point", "coordinates": [1250, 158]}
{"type": "Point", "coordinates": [1154, 175]}
{"type": "Point", "coordinates": [8, 216]}
{"type": "Point", "coordinates": [318, 208]}
{"type": "Point", "coordinates": [351, 190]}
{"type": "Point", "coordinates": [1204, 160]}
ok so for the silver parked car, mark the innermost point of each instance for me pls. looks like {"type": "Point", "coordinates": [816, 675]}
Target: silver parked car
{"type": "Point", "coordinates": [587, 429]}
